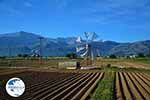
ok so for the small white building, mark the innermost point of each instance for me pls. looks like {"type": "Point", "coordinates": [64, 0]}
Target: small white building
{"type": "Point", "coordinates": [69, 65]}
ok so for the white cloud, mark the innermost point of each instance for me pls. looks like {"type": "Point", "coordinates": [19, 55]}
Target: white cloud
{"type": "Point", "coordinates": [27, 4]}
{"type": "Point", "coordinates": [14, 8]}
{"type": "Point", "coordinates": [115, 10]}
{"type": "Point", "coordinates": [9, 9]}
{"type": "Point", "coordinates": [63, 3]}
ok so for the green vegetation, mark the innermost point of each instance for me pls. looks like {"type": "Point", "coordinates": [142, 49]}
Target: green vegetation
{"type": "Point", "coordinates": [71, 55]}
{"type": "Point", "coordinates": [145, 60]}
{"type": "Point", "coordinates": [116, 69]}
{"type": "Point", "coordinates": [113, 56]}
{"type": "Point", "coordinates": [104, 91]}
{"type": "Point", "coordinates": [141, 55]}
{"type": "Point", "coordinates": [135, 69]}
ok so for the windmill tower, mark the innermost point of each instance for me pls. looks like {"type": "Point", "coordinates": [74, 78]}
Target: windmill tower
{"type": "Point", "coordinates": [85, 48]}
{"type": "Point", "coordinates": [40, 46]}
{"type": "Point", "coordinates": [40, 49]}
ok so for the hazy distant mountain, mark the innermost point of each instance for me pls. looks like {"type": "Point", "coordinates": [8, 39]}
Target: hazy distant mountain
{"type": "Point", "coordinates": [131, 48]}
{"type": "Point", "coordinates": [25, 43]}
{"type": "Point", "coordinates": [18, 39]}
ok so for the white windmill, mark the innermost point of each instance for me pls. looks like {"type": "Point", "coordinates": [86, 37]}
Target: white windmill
{"type": "Point", "coordinates": [85, 48]}
{"type": "Point", "coordinates": [37, 52]}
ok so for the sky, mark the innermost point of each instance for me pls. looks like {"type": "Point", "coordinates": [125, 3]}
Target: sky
{"type": "Point", "coordinates": [116, 20]}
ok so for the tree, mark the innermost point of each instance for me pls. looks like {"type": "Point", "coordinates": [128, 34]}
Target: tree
{"type": "Point", "coordinates": [23, 55]}
{"type": "Point", "coordinates": [148, 55]}
{"type": "Point", "coordinates": [71, 55]}
{"type": "Point", "coordinates": [112, 56]}
{"type": "Point", "coordinates": [141, 55]}
{"type": "Point", "coordinates": [2, 57]}
{"type": "Point", "coordinates": [19, 55]}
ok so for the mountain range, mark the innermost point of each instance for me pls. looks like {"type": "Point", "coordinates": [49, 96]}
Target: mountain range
{"type": "Point", "coordinates": [25, 43]}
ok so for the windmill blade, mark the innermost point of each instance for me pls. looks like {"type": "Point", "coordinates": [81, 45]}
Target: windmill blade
{"type": "Point", "coordinates": [37, 51]}
{"type": "Point", "coordinates": [90, 36]}
{"type": "Point", "coordinates": [78, 40]}
{"type": "Point", "coordinates": [94, 36]}
{"type": "Point", "coordinates": [32, 51]}
{"type": "Point", "coordinates": [78, 49]}
{"type": "Point", "coordinates": [84, 54]}
{"type": "Point", "coordinates": [87, 34]}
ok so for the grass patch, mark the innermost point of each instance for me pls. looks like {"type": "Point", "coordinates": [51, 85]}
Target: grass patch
{"type": "Point", "coordinates": [109, 69]}
{"type": "Point", "coordinates": [117, 69]}
{"type": "Point", "coordinates": [142, 60]}
{"type": "Point", "coordinates": [104, 90]}
{"type": "Point", "coordinates": [135, 69]}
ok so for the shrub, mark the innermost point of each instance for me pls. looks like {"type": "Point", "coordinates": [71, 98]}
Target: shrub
{"type": "Point", "coordinates": [141, 55]}
{"type": "Point", "coordinates": [71, 55]}
{"type": "Point", "coordinates": [112, 56]}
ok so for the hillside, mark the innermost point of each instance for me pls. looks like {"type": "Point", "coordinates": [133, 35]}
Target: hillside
{"type": "Point", "coordinates": [24, 43]}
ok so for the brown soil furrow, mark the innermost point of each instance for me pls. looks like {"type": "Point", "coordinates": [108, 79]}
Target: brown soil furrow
{"type": "Point", "coordinates": [58, 86]}
{"type": "Point", "coordinates": [147, 75]}
{"type": "Point", "coordinates": [143, 75]}
{"type": "Point", "coordinates": [46, 85]}
{"type": "Point", "coordinates": [59, 90]}
{"type": "Point", "coordinates": [118, 86]}
{"type": "Point", "coordinates": [45, 90]}
{"type": "Point", "coordinates": [126, 89]}
{"type": "Point", "coordinates": [91, 88]}
{"type": "Point", "coordinates": [141, 90]}
{"type": "Point", "coordinates": [77, 84]}
{"type": "Point", "coordinates": [11, 72]}
{"type": "Point", "coordinates": [133, 87]}
{"type": "Point", "coordinates": [142, 83]}
{"type": "Point", "coordinates": [84, 87]}
{"type": "Point", "coordinates": [143, 79]}
{"type": "Point", "coordinates": [48, 82]}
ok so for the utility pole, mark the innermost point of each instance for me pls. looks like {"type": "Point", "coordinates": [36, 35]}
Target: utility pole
{"type": "Point", "coordinates": [9, 55]}
{"type": "Point", "coordinates": [40, 48]}
{"type": "Point", "coordinates": [9, 50]}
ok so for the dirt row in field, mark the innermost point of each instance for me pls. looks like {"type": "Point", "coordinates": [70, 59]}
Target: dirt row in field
{"type": "Point", "coordinates": [132, 86]}
{"type": "Point", "coordinates": [76, 85]}
{"type": "Point", "coordinates": [53, 85]}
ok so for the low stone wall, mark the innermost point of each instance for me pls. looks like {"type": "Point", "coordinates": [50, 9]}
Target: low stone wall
{"type": "Point", "coordinates": [70, 64]}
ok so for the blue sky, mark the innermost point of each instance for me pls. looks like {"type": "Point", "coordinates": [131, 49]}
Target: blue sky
{"type": "Point", "coordinates": [118, 20]}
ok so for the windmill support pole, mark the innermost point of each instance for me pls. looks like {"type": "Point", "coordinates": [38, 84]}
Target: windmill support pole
{"type": "Point", "coordinates": [87, 61]}
{"type": "Point", "coordinates": [9, 50]}
{"type": "Point", "coordinates": [90, 55]}
{"type": "Point", "coordinates": [40, 59]}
